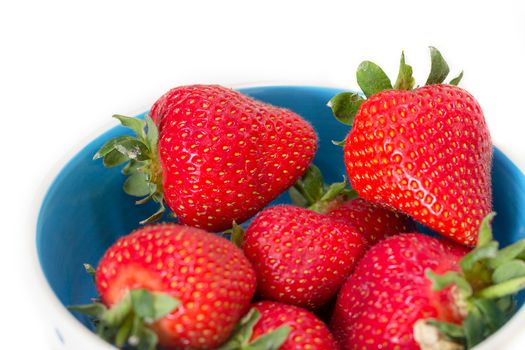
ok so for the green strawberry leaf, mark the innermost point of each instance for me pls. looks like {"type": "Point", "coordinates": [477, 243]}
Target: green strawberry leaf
{"type": "Point", "coordinates": [344, 106]}
{"type": "Point", "coordinates": [151, 195]}
{"type": "Point", "coordinates": [272, 340]}
{"type": "Point", "coordinates": [114, 158]}
{"type": "Point", "coordinates": [116, 315]}
{"type": "Point", "coordinates": [508, 253]}
{"type": "Point", "coordinates": [246, 325]}
{"type": "Point", "coordinates": [474, 329]}
{"type": "Point", "coordinates": [237, 234]}
{"type": "Point", "coordinates": [90, 270]}
{"type": "Point", "coordinates": [310, 185]}
{"type": "Point", "coordinates": [124, 331]}
{"type": "Point", "coordinates": [135, 124]}
{"type": "Point", "coordinates": [457, 79]}
{"type": "Point", "coordinates": [499, 290]}
{"type": "Point", "coordinates": [152, 134]}
{"type": "Point", "coordinates": [440, 282]}
{"type": "Point", "coordinates": [163, 304]}
{"type": "Point", "coordinates": [110, 146]}
{"type": "Point", "coordinates": [494, 317]}
{"type": "Point", "coordinates": [509, 270]}
{"type": "Point", "coordinates": [439, 68]}
{"type": "Point", "coordinates": [133, 149]}
{"type": "Point", "coordinates": [405, 80]}
{"type": "Point", "coordinates": [152, 306]}
{"type": "Point", "coordinates": [451, 330]}
{"type": "Point", "coordinates": [506, 304]}
{"type": "Point", "coordinates": [341, 143]}
{"type": "Point", "coordinates": [137, 185]}
{"type": "Point", "coordinates": [243, 331]}
{"type": "Point", "coordinates": [132, 167]}
{"type": "Point", "coordinates": [334, 190]}
{"type": "Point", "coordinates": [142, 301]}
{"type": "Point", "coordinates": [147, 340]}
{"type": "Point", "coordinates": [372, 79]}
{"type": "Point", "coordinates": [349, 193]}
{"type": "Point", "coordinates": [93, 310]}
{"type": "Point", "coordinates": [297, 198]}
{"type": "Point", "coordinates": [485, 230]}
{"type": "Point", "coordinates": [158, 214]}
{"type": "Point", "coordinates": [487, 251]}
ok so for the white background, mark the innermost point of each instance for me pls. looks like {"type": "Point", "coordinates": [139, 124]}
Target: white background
{"type": "Point", "coordinates": [67, 66]}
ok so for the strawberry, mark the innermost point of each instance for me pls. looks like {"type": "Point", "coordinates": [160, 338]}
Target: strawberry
{"type": "Point", "coordinates": [373, 222]}
{"type": "Point", "coordinates": [275, 326]}
{"type": "Point", "coordinates": [212, 154]}
{"type": "Point", "coordinates": [426, 152]}
{"type": "Point", "coordinates": [413, 291]}
{"type": "Point", "coordinates": [209, 277]}
{"type": "Point", "coordinates": [300, 257]}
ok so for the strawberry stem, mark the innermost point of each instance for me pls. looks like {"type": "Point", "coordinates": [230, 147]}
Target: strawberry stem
{"type": "Point", "coordinates": [142, 164]}
{"type": "Point", "coordinates": [405, 80]}
{"type": "Point", "coordinates": [439, 68]}
{"type": "Point", "coordinates": [372, 80]}
{"type": "Point", "coordinates": [241, 338]}
{"type": "Point", "coordinates": [126, 322]}
{"type": "Point", "coordinates": [311, 192]}
{"type": "Point", "coordinates": [487, 282]}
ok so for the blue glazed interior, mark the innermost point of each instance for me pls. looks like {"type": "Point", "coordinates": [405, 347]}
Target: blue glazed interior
{"type": "Point", "coordinates": [85, 209]}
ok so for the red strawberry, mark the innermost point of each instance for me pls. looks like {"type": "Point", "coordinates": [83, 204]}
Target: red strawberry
{"type": "Point", "coordinates": [300, 257]}
{"type": "Point", "coordinates": [426, 152]}
{"type": "Point", "coordinates": [275, 326]}
{"type": "Point", "coordinates": [388, 292]}
{"type": "Point", "coordinates": [207, 274]}
{"type": "Point", "coordinates": [389, 303]}
{"type": "Point", "coordinates": [221, 156]}
{"type": "Point", "coordinates": [373, 222]}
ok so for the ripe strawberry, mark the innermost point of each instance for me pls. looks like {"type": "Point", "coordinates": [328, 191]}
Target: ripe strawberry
{"type": "Point", "coordinates": [300, 257]}
{"type": "Point", "coordinates": [389, 303]}
{"type": "Point", "coordinates": [274, 326]}
{"type": "Point", "coordinates": [373, 222]}
{"type": "Point", "coordinates": [208, 275]}
{"type": "Point", "coordinates": [220, 156]}
{"type": "Point", "coordinates": [426, 152]}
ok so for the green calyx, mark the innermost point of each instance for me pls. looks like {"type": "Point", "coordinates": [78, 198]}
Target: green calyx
{"type": "Point", "coordinates": [311, 192]}
{"type": "Point", "coordinates": [372, 80]}
{"type": "Point", "coordinates": [235, 234]}
{"type": "Point", "coordinates": [241, 338]}
{"type": "Point", "coordinates": [140, 156]}
{"type": "Point", "coordinates": [484, 288]}
{"type": "Point", "coordinates": [127, 322]}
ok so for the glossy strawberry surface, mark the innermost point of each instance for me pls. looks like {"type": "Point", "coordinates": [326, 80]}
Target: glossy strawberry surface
{"type": "Point", "coordinates": [224, 155]}
{"type": "Point", "coordinates": [306, 330]}
{"type": "Point", "coordinates": [373, 222]}
{"type": "Point", "coordinates": [209, 275]}
{"type": "Point", "coordinates": [427, 153]}
{"type": "Point", "coordinates": [301, 257]}
{"type": "Point", "coordinates": [388, 292]}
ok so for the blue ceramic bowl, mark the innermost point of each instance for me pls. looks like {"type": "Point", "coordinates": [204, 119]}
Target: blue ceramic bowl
{"type": "Point", "coordinates": [85, 211]}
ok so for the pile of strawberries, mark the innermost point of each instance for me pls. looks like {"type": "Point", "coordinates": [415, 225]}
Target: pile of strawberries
{"type": "Point", "coordinates": [342, 268]}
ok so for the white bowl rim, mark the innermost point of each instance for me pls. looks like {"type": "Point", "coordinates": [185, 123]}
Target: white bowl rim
{"type": "Point", "coordinates": [50, 303]}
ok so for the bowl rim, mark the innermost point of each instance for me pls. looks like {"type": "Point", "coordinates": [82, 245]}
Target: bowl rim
{"type": "Point", "coordinates": [50, 304]}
